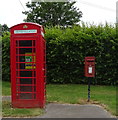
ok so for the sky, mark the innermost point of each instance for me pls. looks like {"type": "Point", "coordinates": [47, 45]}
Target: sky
{"type": "Point", "coordinates": [94, 11]}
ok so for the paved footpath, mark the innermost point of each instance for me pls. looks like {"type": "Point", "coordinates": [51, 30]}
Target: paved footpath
{"type": "Point", "coordinates": [75, 111]}
{"type": "Point", "coordinates": [6, 98]}
{"type": "Point", "coordinates": [54, 110]}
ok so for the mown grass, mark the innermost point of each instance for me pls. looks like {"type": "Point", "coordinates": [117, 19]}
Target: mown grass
{"type": "Point", "coordinates": [6, 88]}
{"type": "Point", "coordinates": [77, 94]}
{"type": "Point", "coordinates": [8, 111]}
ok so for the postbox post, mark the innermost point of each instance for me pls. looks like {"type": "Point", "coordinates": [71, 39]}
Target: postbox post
{"type": "Point", "coordinates": [89, 71]}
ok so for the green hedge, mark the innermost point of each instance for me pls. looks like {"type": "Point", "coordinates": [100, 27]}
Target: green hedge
{"type": "Point", "coordinates": [6, 56]}
{"type": "Point", "coordinates": [67, 48]}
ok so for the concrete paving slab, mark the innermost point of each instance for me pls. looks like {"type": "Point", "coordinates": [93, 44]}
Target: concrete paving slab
{"type": "Point", "coordinates": [6, 98]}
{"type": "Point", "coordinates": [54, 110]}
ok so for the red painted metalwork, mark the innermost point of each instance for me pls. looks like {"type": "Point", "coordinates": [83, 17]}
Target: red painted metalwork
{"type": "Point", "coordinates": [28, 65]}
{"type": "Point", "coordinates": [90, 66]}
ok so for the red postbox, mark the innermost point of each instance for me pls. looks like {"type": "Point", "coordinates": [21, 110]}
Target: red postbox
{"type": "Point", "coordinates": [28, 65]}
{"type": "Point", "coordinates": [90, 66]}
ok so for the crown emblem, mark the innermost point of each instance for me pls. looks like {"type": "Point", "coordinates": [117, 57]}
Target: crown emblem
{"type": "Point", "coordinates": [25, 26]}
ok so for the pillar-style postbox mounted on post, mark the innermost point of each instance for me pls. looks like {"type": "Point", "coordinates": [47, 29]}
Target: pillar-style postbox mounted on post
{"type": "Point", "coordinates": [89, 71]}
{"type": "Point", "coordinates": [28, 65]}
{"type": "Point", "coordinates": [90, 66]}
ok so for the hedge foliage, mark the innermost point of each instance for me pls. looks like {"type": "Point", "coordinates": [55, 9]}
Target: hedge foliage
{"type": "Point", "coordinates": [67, 48]}
{"type": "Point", "coordinates": [6, 56]}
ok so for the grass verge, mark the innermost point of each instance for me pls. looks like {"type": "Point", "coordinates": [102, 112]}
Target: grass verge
{"type": "Point", "coordinates": [77, 94]}
{"type": "Point", "coordinates": [74, 94]}
{"type": "Point", "coordinates": [8, 111]}
{"type": "Point", "coordinates": [6, 88]}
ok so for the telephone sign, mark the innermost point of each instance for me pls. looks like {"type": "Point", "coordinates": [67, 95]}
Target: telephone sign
{"type": "Point", "coordinates": [28, 65]}
{"type": "Point", "coordinates": [24, 31]}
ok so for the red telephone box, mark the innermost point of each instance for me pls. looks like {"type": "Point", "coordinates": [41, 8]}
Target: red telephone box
{"type": "Point", "coordinates": [90, 66]}
{"type": "Point", "coordinates": [28, 65]}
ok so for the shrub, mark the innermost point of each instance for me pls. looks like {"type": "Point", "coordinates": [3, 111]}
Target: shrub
{"type": "Point", "coordinates": [66, 50]}
{"type": "Point", "coordinates": [6, 56]}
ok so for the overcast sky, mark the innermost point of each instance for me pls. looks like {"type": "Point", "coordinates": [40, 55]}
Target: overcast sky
{"type": "Point", "coordinates": [97, 11]}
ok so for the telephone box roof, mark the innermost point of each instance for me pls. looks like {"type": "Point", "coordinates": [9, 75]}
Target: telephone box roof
{"type": "Point", "coordinates": [29, 23]}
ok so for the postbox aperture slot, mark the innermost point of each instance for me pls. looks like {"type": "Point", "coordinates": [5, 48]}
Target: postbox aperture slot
{"type": "Point", "coordinates": [90, 60]}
